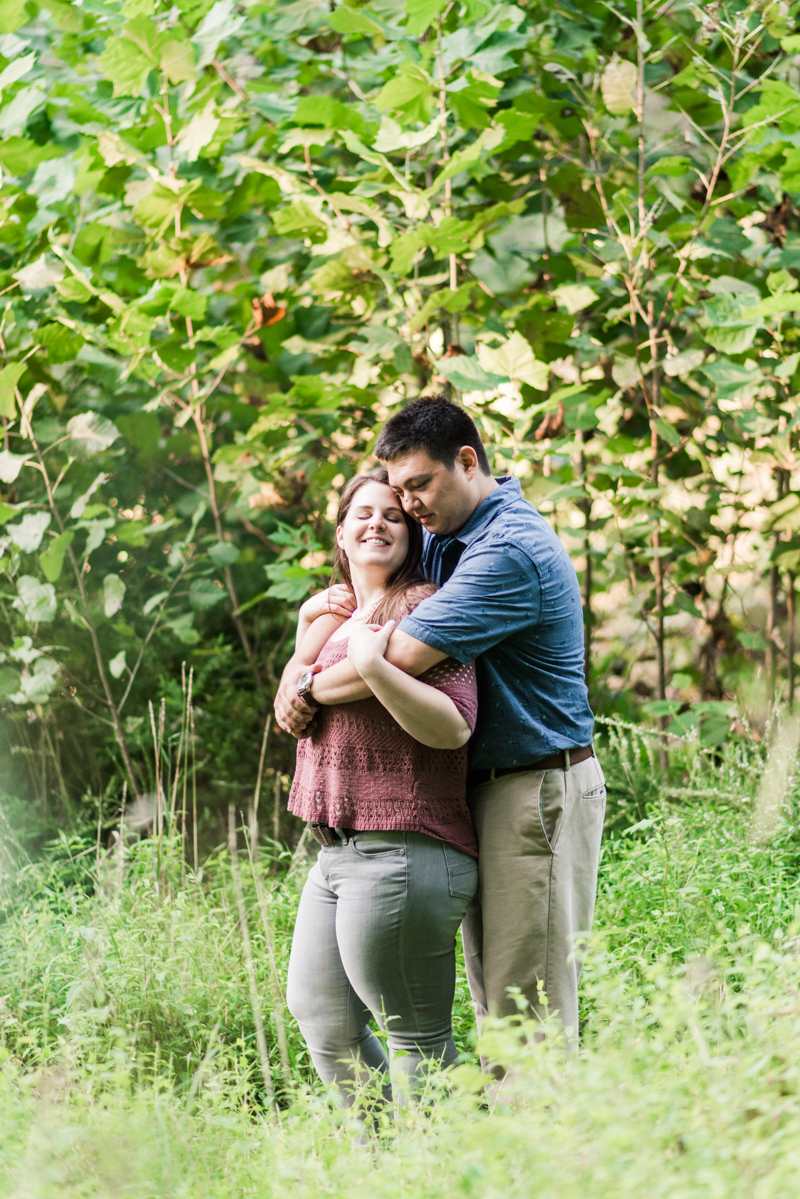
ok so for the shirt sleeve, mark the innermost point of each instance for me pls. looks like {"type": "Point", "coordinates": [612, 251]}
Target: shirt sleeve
{"type": "Point", "coordinates": [458, 682]}
{"type": "Point", "coordinates": [494, 593]}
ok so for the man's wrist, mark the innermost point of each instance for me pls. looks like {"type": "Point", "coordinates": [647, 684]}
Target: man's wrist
{"type": "Point", "coordinates": [303, 687]}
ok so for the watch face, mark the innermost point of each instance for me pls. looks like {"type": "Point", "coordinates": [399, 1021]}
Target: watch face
{"type": "Point", "coordinates": [304, 682]}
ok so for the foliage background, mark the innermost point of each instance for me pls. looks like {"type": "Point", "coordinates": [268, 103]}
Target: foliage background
{"type": "Point", "coordinates": [235, 236]}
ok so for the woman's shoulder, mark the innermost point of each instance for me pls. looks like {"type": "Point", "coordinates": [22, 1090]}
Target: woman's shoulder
{"type": "Point", "coordinates": [414, 595]}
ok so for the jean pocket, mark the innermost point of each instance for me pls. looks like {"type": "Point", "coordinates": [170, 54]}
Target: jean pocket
{"type": "Point", "coordinates": [596, 794]}
{"type": "Point", "coordinates": [379, 845]}
{"type": "Point", "coordinates": [462, 873]}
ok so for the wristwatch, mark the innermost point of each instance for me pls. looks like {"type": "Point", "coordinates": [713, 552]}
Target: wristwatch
{"type": "Point", "coordinates": [304, 689]}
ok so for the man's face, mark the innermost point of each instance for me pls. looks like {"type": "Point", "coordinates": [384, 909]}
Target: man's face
{"type": "Point", "coordinates": [442, 499]}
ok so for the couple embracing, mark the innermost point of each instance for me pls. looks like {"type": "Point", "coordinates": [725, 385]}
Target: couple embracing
{"type": "Point", "coordinates": [445, 761]}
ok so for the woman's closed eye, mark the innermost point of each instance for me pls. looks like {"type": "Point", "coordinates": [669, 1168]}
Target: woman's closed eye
{"type": "Point", "coordinates": [393, 514]}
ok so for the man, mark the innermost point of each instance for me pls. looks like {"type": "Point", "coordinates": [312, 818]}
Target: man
{"type": "Point", "coordinates": [509, 600]}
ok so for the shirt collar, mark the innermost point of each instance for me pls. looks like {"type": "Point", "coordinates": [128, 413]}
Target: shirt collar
{"type": "Point", "coordinates": [508, 491]}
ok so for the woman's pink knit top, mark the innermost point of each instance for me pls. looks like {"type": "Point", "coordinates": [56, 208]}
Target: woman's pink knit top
{"type": "Point", "coordinates": [360, 770]}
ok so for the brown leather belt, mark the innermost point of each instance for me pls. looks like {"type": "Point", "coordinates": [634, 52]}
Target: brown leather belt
{"type": "Point", "coordinates": [558, 761]}
{"type": "Point", "coordinates": [325, 835]}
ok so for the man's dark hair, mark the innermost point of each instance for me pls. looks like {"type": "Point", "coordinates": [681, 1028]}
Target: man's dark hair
{"type": "Point", "coordinates": [434, 424]}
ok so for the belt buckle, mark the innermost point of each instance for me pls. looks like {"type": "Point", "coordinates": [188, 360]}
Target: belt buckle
{"type": "Point", "coordinates": [323, 833]}
{"type": "Point", "coordinates": [327, 836]}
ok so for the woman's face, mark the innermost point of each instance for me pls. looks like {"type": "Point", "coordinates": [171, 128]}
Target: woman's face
{"type": "Point", "coordinates": [373, 533]}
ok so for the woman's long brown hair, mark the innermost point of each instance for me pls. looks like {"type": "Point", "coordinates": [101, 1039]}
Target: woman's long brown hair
{"type": "Point", "coordinates": [407, 574]}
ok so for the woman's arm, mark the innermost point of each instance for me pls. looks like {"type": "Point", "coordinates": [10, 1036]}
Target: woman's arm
{"type": "Point", "coordinates": [425, 713]}
{"type": "Point", "coordinates": [317, 636]}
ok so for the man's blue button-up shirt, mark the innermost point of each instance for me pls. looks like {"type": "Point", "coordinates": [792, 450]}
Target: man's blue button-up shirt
{"type": "Point", "coordinates": [513, 605]}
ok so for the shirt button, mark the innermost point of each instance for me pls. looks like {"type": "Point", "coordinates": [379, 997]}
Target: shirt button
{"type": "Point", "coordinates": [402, 851]}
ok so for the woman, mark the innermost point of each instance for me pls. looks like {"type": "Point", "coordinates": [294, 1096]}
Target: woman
{"type": "Point", "coordinates": [383, 781]}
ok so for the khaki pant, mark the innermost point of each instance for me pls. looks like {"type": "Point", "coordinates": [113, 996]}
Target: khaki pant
{"type": "Point", "coordinates": [539, 837]}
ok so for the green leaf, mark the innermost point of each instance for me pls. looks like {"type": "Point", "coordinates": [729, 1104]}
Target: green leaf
{"type": "Point", "coordinates": [662, 707]}
{"type": "Point", "coordinates": [779, 103]}
{"type": "Point", "coordinates": [183, 628]}
{"type": "Point", "coordinates": [685, 603]}
{"type": "Point", "coordinates": [224, 553]}
{"type": "Point", "coordinates": [9, 681]}
{"type": "Point", "coordinates": [205, 593]}
{"type": "Point", "coordinates": [9, 378]}
{"type": "Point", "coordinates": [752, 641]}
{"type": "Point", "coordinates": [463, 159]}
{"type": "Point", "coordinates": [574, 297]}
{"type": "Point", "coordinates": [352, 20]}
{"type": "Point", "coordinates": [11, 465]}
{"type": "Point", "coordinates": [421, 14]}
{"type": "Point", "coordinates": [515, 360]}
{"type": "Point", "coordinates": [618, 85]}
{"type": "Point", "coordinates": [784, 301]}
{"type": "Point", "coordinates": [28, 534]}
{"type": "Point", "coordinates": [731, 341]}
{"type": "Point", "coordinates": [291, 582]}
{"type": "Point", "coordinates": [19, 154]}
{"type": "Point", "coordinates": [518, 126]}
{"type": "Point", "coordinates": [51, 560]}
{"type": "Point", "coordinates": [113, 594]}
{"type": "Point", "coordinates": [189, 303]}
{"type": "Point", "coordinates": [91, 433]}
{"type": "Point", "coordinates": [12, 15]}
{"type": "Point", "coordinates": [117, 665]}
{"type": "Point", "coordinates": [668, 433]}
{"type": "Point", "coordinates": [61, 343]}
{"type": "Point", "coordinates": [125, 66]}
{"type": "Point", "coordinates": [471, 97]}
{"type": "Point", "coordinates": [467, 374]}
{"type": "Point", "coordinates": [36, 601]}
{"type": "Point", "coordinates": [142, 430]}
{"type": "Point", "coordinates": [158, 209]}
{"type": "Point", "coordinates": [177, 60]}
{"type": "Point", "coordinates": [218, 24]}
{"type": "Point", "coordinates": [409, 93]}
{"type": "Point", "coordinates": [299, 220]}
{"type": "Point", "coordinates": [327, 112]}
{"type": "Point", "coordinates": [673, 166]}
{"type": "Point", "coordinates": [405, 248]}
{"type": "Point", "coordinates": [74, 290]}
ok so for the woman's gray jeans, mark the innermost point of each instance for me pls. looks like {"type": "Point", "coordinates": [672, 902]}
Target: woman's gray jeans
{"type": "Point", "coordinates": [376, 936]}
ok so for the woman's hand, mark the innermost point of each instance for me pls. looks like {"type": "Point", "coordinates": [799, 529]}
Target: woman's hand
{"type": "Point", "coordinates": [336, 601]}
{"type": "Point", "coordinates": [367, 644]}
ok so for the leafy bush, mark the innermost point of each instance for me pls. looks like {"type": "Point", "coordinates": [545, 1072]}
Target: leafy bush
{"type": "Point", "coordinates": [234, 237]}
{"type": "Point", "coordinates": [129, 1055]}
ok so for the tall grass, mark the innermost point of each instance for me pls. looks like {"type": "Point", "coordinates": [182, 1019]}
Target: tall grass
{"type": "Point", "coordinates": [128, 1028]}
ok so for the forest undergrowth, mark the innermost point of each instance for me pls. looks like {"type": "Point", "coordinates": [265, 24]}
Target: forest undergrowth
{"type": "Point", "coordinates": [130, 1056]}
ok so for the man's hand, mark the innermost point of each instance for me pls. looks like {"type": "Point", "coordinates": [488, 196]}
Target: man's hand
{"type": "Point", "coordinates": [292, 714]}
{"type": "Point", "coordinates": [367, 645]}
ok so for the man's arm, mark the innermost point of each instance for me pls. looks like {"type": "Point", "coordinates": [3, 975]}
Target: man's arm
{"type": "Point", "coordinates": [341, 684]}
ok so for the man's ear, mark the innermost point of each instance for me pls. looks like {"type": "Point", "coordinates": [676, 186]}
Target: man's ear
{"type": "Point", "coordinates": [468, 460]}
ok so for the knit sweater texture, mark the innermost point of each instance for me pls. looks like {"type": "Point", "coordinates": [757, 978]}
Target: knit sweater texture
{"type": "Point", "coordinates": [360, 770]}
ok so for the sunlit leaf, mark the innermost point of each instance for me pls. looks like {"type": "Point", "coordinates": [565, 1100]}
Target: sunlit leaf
{"type": "Point", "coordinates": [618, 85]}
{"type": "Point", "coordinates": [515, 360]}
{"type": "Point", "coordinates": [91, 433]}
{"type": "Point", "coordinates": [36, 601]}
{"type": "Point", "coordinates": [113, 594]}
